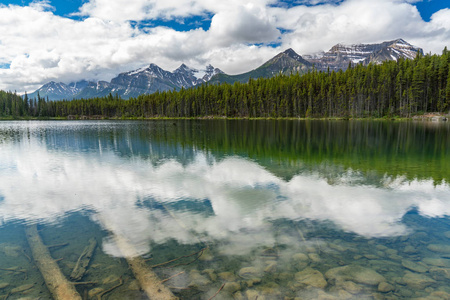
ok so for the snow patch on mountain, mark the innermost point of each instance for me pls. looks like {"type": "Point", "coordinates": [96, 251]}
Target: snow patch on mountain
{"type": "Point", "coordinates": [59, 90]}
{"type": "Point", "coordinates": [140, 70]}
{"type": "Point", "coordinates": [340, 55]}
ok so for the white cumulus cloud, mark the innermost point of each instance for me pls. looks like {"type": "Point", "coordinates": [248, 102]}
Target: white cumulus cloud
{"type": "Point", "coordinates": [37, 46]}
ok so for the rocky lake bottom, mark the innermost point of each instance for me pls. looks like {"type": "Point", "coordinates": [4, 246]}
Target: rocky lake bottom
{"type": "Point", "coordinates": [307, 261]}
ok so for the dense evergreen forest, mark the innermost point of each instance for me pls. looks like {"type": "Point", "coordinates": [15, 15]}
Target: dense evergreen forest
{"type": "Point", "coordinates": [395, 88]}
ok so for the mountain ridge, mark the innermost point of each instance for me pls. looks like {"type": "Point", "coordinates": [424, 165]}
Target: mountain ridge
{"type": "Point", "coordinates": [286, 63]}
{"type": "Point", "coordinates": [340, 55]}
{"type": "Point", "coordinates": [152, 78]}
{"type": "Point", "coordinates": [146, 80]}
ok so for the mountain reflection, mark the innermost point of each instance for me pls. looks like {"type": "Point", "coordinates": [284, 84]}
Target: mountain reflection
{"type": "Point", "coordinates": [237, 198]}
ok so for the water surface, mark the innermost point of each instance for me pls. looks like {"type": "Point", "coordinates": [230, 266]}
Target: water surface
{"type": "Point", "coordinates": [245, 209]}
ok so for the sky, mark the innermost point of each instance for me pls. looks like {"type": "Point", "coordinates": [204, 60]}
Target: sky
{"type": "Point", "coordinates": [72, 40]}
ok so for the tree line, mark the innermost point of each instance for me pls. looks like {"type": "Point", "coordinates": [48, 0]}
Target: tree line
{"type": "Point", "coordinates": [394, 88]}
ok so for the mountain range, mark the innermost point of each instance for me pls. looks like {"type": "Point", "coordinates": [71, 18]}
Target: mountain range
{"type": "Point", "coordinates": [339, 56]}
{"type": "Point", "coordinates": [146, 80]}
{"type": "Point", "coordinates": [151, 79]}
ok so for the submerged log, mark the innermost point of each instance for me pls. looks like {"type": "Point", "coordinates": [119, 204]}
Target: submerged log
{"type": "Point", "coordinates": [83, 261]}
{"type": "Point", "coordinates": [148, 280]}
{"type": "Point", "coordinates": [58, 285]}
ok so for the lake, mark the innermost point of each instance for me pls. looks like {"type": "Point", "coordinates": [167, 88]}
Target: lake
{"type": "Point", "coordinates": [237, 209]}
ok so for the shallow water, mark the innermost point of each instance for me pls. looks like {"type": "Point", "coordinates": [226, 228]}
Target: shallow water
{"type": "Point", "coordinates": [235, 209]}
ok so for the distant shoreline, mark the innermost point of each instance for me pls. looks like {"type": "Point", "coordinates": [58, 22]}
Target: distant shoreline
{"type": "Point", "coordinates": [443, 118]}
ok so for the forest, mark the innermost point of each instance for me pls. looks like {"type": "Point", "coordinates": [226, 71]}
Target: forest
{"type": "Point", "coordinates": [402, 88]}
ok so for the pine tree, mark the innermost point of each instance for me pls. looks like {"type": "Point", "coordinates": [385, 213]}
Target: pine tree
{"type": "Point", "coordinates": [447, 92]}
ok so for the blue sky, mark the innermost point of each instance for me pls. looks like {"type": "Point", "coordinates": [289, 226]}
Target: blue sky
{"type": "Point", "coordinates": [62, 7]}
{"type": "Point", "coordinates": [65, 8]}
{"type": "Point", "coordinates": [427, 8]}
{"type": "Point", "coordinates": [70, 40]}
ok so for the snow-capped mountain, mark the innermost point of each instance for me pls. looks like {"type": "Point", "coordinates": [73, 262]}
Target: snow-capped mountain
{"type": "Point", "coordinates": [153, 78]}
{"type": "Point", "coordinates": [95, 89]}
{"type": "Point", "coordinates": [59, 90]}
{"type": "Point", "coordinates": [286, 62]}
{"type": "Point", "coordinates": [340, 55]}
{"type": "Point", "coordinates": [192, 77]}
{"type": "Point", "coordinates": [337, 58]}
{"type": "Point", "coordinates": [393, 51]}
{"type": "Point", "coordinates": [183, 76]}
{"type": "Point", "coordinates": [206, 74]}
{"type": "Point", "coordinates": [145, 80]}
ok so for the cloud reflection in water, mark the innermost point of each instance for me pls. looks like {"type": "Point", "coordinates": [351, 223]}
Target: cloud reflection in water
{"type": "Point", "coordinates": [43, 185]}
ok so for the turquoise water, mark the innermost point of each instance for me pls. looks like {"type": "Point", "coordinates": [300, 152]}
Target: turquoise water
{"type": "Point", "coordinates": [229, 209]}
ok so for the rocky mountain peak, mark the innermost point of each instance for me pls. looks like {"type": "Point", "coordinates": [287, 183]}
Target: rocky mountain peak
{"type": "Point", "coordinates": [57, 90]}
{"type": "Point", "coordinates": [340, 55]}
{"type": "Point", "coordinates": [53, 84]}
{"type": "Point", "coordinates": [291, 53]}
{"type": "Point", "coordinates": [401, 42]}
{"type": "Point", "coordinates": [209, 72]}
{"type": "Point", "coordinates": [79, 85]}
{"type": "Point", "coordinates": [183, 68]}
{"type": "Point", "coordinates": [155, 69]}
